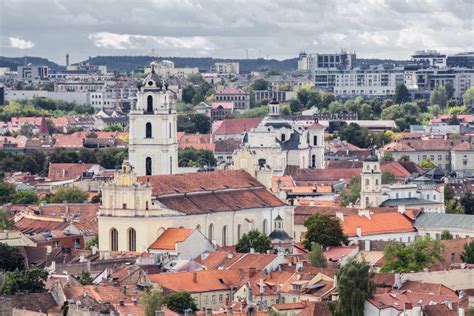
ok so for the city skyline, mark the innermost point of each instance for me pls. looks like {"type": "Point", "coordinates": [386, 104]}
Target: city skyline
{"type": "Point", "coordinates": [233, 29]}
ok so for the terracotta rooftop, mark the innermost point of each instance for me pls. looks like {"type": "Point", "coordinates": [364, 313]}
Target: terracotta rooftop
{"type": "Point", "coordinates": [199, 281]}
{"type": "Point", "coordinates": [170, 237]}
{"type": "Point", "coordinates": [422, 145]}
{"type": "Point", "coordinates": [237, 126]}
{"type": "Point", "coordinates": [66, 171]}
{"type": "Point", "coordinates": [301, 213]}
{"type": "Point", "coordinates": [376, 223]}
{"type": "Point", "coordinates": [235, 261]}
{"type": "Point", "coordinates": [219, 191]}
{"type": "Point", "coordinates": [34, 302]}
{"type": "Point", "coordinates": [429, 288]}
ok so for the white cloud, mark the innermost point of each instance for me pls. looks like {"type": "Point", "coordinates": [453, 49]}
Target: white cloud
{"type": "Point", "coordinates": [374, 38]}
{"type": "Point", "coordinates": [133, 41]}
{"type": "Point", "coordinates": [20, 43]}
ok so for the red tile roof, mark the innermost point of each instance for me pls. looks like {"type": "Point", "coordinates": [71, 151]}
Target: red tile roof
{"type": "Point", "coordinates": [66, 141]}
{"type": "Point", "coordinates": [378, 223]}
{"type": "Point", "coordinates": [66, 171]}
{"type": "Point", "coordinates": [199, 281]}
{"type": "Point", "coordinates": [218, 191]}
{"type": "Point", "coordinates": [237, 126]}
{"type": "Point", "coordinates": [422, 145]}
{"type": "Point", "coordinates": [170, 237]}
{"type": "Point", "coordinates": [32, 226]}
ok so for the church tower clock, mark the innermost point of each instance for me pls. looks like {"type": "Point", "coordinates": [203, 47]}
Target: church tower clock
{"type": "Point", "coordinates": [153, 147]}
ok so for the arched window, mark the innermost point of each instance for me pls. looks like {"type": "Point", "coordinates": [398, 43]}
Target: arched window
{"type": "Point", "coordinates": [264, 227]}
{"type": "Point", "coordinates": [149, 104]}
{"type": "Point", "coordinates": [239, 232]}
{"type": "Point", "coordinates": [170, 131]}
{"type": "Point", "coordinates": [148, 130]}
{"type": "Point", "coordinates": [283, 137]}
{"type": "Point", "coordinates": [376, 181]}
{"type": "Point", "coordinates": [313, 161]}
{"type": "Point", "coordinates": [210, 232]}
{"type": "Point", "coordinates": [148, 166]}
{"type": "Point", "coordinates": [315, 140]}
{"type": "Point", "coordinates": [132, 240]}
{"type": "Point", "coordinates": [224, 236]}
{"type": "Point", "coordinates": [113, 239]}
{"type": "Point", "coordinates": [367, 181]}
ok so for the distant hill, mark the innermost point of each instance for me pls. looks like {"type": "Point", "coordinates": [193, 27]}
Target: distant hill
{"type": "Point", "coordinates": [129, 63]}
{"type": "Point", "coordinates": [134, 63]}
{"type": "Point", "coordinates": [14, 62]}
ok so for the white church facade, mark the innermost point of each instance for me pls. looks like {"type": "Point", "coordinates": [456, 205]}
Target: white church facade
{"type": "Point", "coordinates": [147, 195]}
{"type": "Point", "coordinates": [277, 143]}
{"type": "Point", "coordinates": [427, 196]}
{"type": "Point", "coordinates": [153, 145]}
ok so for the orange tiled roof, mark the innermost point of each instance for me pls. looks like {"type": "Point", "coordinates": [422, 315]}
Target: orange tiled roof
{"type": "Point", "coordinates": [65, 141]}
{"type": "Point", "coordinates": [170, 237]}
{"type": "Point", "coordinates": [66, 171]}
{"type": "Point", "coordinates": [199, 281]}
{"type": "Point", "coordinates": [378, 223]}
{"type": "Point", "coordinates": [237, 126]}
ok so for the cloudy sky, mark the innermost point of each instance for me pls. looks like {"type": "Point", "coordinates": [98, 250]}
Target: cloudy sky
{"type": "Point", "coordinates": [229, 28]}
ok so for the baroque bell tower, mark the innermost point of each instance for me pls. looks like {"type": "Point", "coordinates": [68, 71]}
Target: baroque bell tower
{"type": "Point", "coordinates": [153, 147]}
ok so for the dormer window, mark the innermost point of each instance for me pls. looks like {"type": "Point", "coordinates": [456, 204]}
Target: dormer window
{"type": "Point", "coordinates": [283, 137]}
{"type": "Point", "coordinates": [150, 83]}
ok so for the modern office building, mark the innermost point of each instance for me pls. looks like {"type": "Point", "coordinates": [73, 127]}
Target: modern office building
{"type": "Point", "coordinates": [30, 72]}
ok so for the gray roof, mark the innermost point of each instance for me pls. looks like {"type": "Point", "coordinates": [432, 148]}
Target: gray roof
{"type": "Point", "coordinates": [407, 201]}
{"type": "Point", "coordinates": [441, 220]}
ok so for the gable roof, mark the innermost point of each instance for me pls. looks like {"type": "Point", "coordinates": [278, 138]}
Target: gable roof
{"type": "Point", "coordinates": [237, 126]}
{"type": "Point", "coordinates": [170, 237]}
{"type": "Point", "coordinates": [67, 171]}
{"type": "Point", "coordinates": [445, 221]}
{"type": "Point", "coordinates": [218, 191]}
{"type": "Point", "coordinates": [199, 281]}
{"type": "Point", "coordinates": [376, 223]}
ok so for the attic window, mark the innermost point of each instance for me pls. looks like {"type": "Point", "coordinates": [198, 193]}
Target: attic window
{"type": "Point", "coordinates": [150, 83]}
{"type": "Point", "coordinates": [221, 281]}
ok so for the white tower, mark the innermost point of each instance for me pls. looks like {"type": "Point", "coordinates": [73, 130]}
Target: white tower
{"type": "Point", "coordinates": [153, 147]}
{"type": "Point", "coordinates": [316, 145]}
{"type": "Point", "coordinates": [274, 108]}
{"type": "Point", "coordinates": [371, 183]}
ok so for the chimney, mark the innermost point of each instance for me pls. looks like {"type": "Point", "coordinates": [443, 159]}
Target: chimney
{"type": "Point", "coordinates": [94, 250]}
{"type": "Point", "coordinates": [448, 303]}
{"type": "Point", "coordinates": [49, 249]}
{"type": "Point", "coordinates": [398, 280]}
{"type": "Point", "coordinates": [340, 215]}
{"type": "Point", "coordinates": [401, 209]}
{"type": "Point", "coordinates": [194, 277]}
{"type": "Point", "coordinates": [82, 258]}
{"type": "Point", "coordinates": [359, 231]}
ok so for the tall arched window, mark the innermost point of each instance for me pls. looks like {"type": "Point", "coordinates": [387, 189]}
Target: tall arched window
{"type": "Point", "coordinates": [132, 240]}
{"type": "Point", "coordinates": [210, 232]}
{"type": "Point", "coordinates": [148, 130]}
{"type": "Point", "coordinates": [315, 140]}
{"type": "Point", "coordinates": [113, 239]}
{"type": "Point", "coordinates": [148, 166]}
{"type": "Point", "coordinates": [313, 161]}
{"type": "Point", "coordinates": [224, 236]}
{"type": "Point", "coordinates": [264, 226]}
{"type": "Point", "coordinates": [239, 232]}
{"type": "Point", "coordinates": [170, 131]}
{"type": "Point", "coordinates": [149, 104]}
{"type": "Point", "coordinates": [367, 182]}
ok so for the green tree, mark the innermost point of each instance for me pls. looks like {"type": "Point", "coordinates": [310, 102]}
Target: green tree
{"type": "Point", "coordinates": [427, 164]}
{"type": "Point", "coordinates": [71, 195]}
{"type": "Point", "coordinates": [402, 94]}
{"type": "Point", "coordinates": [152, 300]}
{"type": "Point", "coordinates": [10, 258]}
{"type": "Point", "coordinates": [355, 285]}
{"type": "Point", "coordinates": [113, 128]}
{"type": "Point", "coordinates": [468, 97]}
{"type": "Point", "coordinates": [180, 302]}
{"type": "Point", "coordinates": [388, 177]}
{"type": "Point", "coordinates": [467, 254]}
{"type": "Point", "coordinates": [351, 194]}
{"type": "Point", "coordinates": [355, 135]}
{"type": "Point", "coordinates": [92, 242]}
{"type": "Point", "coordinates": [85, 278]}
{"type": "Point", "coordinates": [25, 197]}
{"type": "Point", "coordinates": [295, 106]}
{"type": "Point", "coordinates": [446, 235]}
{"type": "Point", "coordinates": [448, 193]}
{"type": "Point", "coordinates": [387, 157]}
{"type": "Point", "coordinates": [188, 94]}
{"type": "Point", "coordinates": [254, 240]}
{"type": "Point", "coordinates": [316, 256]}
{"type": "Point", "coordinates": [422, 253]}
{"type": "Point", "coordinates": [259, 111]}
{"type": "Point", "coordinates": [260, 84]}
{"type": "Point", "coordinates": [6, 221]}
{"type": "Point", "coordinates": [467, 201]}
{"type": "Point", "coordinates": [29, 281]}
{"type": "Point", "coordinates": [454, 206]}
{"type": "Point", "coordinates": [323, 230]}
{"type": "Point", "coordinates": [26, 130]}
{"type": "Point", "coordinates": [7, 191]}
{"type": "Point", "coordinates": [439, 96]}
{"type": "Point", "coordinates": [449, 90]}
